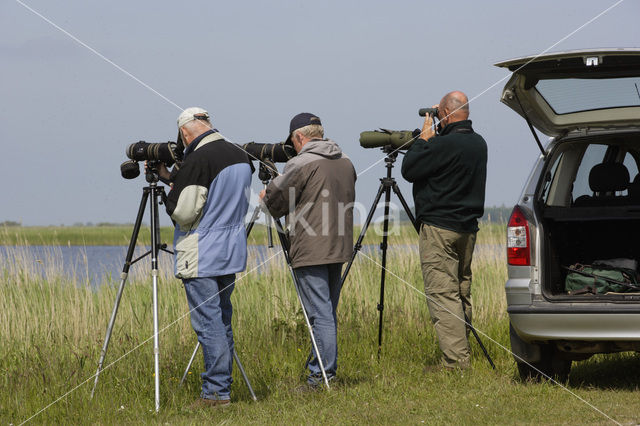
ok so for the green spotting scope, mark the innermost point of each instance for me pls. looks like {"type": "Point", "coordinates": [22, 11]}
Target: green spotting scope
{"type": "Point", "coordinates": [398, 139]}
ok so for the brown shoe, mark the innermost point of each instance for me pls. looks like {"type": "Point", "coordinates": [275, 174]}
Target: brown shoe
{"type": "Point", "coordinates": [209, 403]}
{"type": "Point", "coordinates": [438, 368]}
{"type": "Point", "coordinates": [307, 388]}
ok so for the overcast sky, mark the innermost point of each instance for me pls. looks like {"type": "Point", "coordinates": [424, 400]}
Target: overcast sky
{"type": "Point", "coordinates": [68, 115]}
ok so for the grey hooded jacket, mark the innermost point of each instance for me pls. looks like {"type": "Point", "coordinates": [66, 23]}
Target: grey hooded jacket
{"type": "Point", "coordinates": [317, 191]}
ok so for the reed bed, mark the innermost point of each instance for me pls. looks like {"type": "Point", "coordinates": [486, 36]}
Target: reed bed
{"type": "Point", "coordinates": [52, 328]}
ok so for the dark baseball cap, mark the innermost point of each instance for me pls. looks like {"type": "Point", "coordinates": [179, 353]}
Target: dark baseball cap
{"type": "Point", "coordinates": [301, 120]}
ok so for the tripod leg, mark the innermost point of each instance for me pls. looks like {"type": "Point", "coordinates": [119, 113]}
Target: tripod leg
{"type": "Point", "coordinates": [244, 375]}
{"type": "Point", "coordinates": [285, 250]}
{"type": "Point", "coordinates": [193, 356]}
{"type": "Point", "coordinates": [238, 363]}
{"type": "Point", "coordinates": [269, 233]}
{"type": "Point", "coordinates": [475, 334]}
{"type": "Point", "coordinates": [156, 341]}
{"type": "Point", "coordinates": [107, 338]}
{"type": "Point", "coordinates": [363, 231]}
{"type": "Point", "coordinates": [154, 272]}
{"type": "Point", "coordinates": [124, 275]}
{"type": "Point", "coordinates": [383, 247]}
{"type": "Point", "coordinates": [406, 207]}
{"type": "Point", "coordinates": [252, 221]}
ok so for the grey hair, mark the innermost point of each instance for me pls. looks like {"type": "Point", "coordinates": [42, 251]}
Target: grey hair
{"type": "Point", "coordinates": [311, 131]}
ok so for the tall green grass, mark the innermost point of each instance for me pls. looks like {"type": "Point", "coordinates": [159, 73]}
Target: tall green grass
{"type": "Point", "coordinates": [52, 328]}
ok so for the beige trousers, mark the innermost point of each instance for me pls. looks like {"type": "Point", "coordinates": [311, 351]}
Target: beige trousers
{"type": "Point", "coordinates": [446, 269]}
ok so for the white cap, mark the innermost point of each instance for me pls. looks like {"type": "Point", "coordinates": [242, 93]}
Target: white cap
{"type": "Point", "coordinates": [190, 114]}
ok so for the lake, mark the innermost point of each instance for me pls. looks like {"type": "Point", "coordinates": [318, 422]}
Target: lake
{"type": "Point", "coordinates": [98, 264]}
{"type": "Point", "coordinates": [103, 264]}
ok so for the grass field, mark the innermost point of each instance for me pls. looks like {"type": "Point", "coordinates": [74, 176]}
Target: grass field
{"type": "Point", "coordinates": [52, 329]}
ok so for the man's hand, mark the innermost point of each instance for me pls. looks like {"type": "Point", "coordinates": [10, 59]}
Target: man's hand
{"type": "Point", "coordinates": [163, 172]}
{"type": "Point", "coordinates": [261, 203]}
{"type": "Point", "coordinates": [427, 128]}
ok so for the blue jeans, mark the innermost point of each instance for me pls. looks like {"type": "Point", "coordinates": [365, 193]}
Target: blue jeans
{"type": "Point", "coordinates": [211, 310]}
{"type": "Point", "coordinates": [320, 292]}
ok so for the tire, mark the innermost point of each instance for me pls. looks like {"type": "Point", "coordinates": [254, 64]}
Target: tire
{"type": "Point", "coordinates": [552, 365]}
{"type": "Point", "coordinates": [550, 362]}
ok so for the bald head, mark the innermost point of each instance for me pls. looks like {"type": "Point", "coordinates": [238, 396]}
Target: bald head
{"type": "Point", "coordinates": [454, 106]}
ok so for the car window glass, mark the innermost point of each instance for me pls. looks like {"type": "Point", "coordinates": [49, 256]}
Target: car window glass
{"type": "Point", "coordinates": [594, 154]}
{"type": "Point", "coordinates": [569, 95]}
{"type": "Point", "coordinates": [550, 179]}
{"type": "Point", "coordinates": [631, 165]}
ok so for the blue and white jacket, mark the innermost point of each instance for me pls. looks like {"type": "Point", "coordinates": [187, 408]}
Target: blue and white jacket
{"type": "Point", "coordinates": [208, 203]}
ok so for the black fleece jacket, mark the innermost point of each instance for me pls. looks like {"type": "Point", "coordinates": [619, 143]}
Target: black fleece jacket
{"type": "Point", "coordinates": [448, 173]}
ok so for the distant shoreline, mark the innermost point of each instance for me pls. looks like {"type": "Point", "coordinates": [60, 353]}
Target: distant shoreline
{"type": "Point", "coordinates": [120, 235]}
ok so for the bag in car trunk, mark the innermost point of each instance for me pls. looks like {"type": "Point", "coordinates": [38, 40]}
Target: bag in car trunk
{"type": "Point", "coordinates": [600, 278]}
{"type": "Point", "coordinates": [585, 241]}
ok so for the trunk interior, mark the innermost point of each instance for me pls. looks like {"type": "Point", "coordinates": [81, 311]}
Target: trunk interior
{"type": "Point", "coordinates": [584, 235]}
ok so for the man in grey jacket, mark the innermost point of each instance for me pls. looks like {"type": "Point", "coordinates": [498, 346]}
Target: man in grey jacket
{"type": "Point", "coordinates": [317, 191]}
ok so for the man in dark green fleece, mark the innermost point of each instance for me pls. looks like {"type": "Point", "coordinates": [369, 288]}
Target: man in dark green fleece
{"type": "Point", "coordinates": [448, 172]}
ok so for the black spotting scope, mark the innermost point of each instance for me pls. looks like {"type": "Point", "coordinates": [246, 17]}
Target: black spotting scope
{"type": "Point", "coordinates": [279, 152]}
{"type": "Point", "coordinates": [431, 111]}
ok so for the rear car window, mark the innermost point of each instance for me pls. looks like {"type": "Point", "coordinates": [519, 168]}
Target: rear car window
{"type": "Point", "coordinates": [571, 95]}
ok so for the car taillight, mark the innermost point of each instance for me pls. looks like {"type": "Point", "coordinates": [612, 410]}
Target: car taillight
{"type": "Point", "coordinates": [518, 247]}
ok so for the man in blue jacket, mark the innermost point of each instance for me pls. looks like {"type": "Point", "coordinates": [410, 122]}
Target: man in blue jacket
{"type": "Point", "coordinates": [207, 203]}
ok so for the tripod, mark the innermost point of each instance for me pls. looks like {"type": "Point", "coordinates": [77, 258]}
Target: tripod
{"type": "Point", "coordinates": [266, 175]}
{"type": "Point", "coordinates": [155, 192]}
{"type": "Point", "coordinates": [158, 196]}
{"type": "Point", "coordinates": [387, 184]}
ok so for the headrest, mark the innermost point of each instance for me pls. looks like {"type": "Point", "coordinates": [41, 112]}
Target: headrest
{"type": "Point", "coordinates": [634, 187]}
{"type": "Point", "coordinates": [608, 177]}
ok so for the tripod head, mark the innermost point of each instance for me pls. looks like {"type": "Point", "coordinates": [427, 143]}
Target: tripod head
{"type": "Point", "coordinates": [390, 150]}
{"type": "Point", "coordinates": [151, 171]}
{"type": "Point", "coordinates": [391, 154]}
{"type": "Point", "coordinates": [267, 171]}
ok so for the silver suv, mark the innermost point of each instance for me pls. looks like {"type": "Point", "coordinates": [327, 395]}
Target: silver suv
{"type": "Point", "coordinates": [580, 205]}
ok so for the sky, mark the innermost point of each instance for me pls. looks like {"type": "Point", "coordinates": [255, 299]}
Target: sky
{"type": "Point", "coordinates": [69, 108]}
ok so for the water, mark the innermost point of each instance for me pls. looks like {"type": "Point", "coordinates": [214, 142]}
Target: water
{"type": "Point", "coordinates": [99, 264]}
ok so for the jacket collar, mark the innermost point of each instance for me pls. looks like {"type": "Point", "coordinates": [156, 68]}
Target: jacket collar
{"type": "Point", "coordinates": [200, 140]}
{"type": "Point", "coordinates": [456, 126]}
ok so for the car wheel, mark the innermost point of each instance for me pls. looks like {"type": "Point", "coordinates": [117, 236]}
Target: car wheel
{"type": "Point", "coordinates": [550, 365]}
{"type": "Point", "coordinates": [549, 361]}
